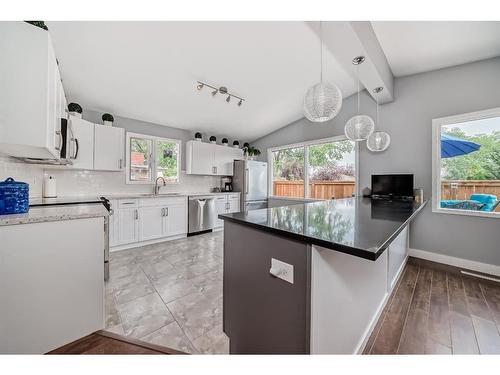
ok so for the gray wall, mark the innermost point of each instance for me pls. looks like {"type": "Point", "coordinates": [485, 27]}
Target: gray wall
{"type": "Point", "coordinates": [141, 127]}
{"type": "Point", "coordinates": [419, 99]}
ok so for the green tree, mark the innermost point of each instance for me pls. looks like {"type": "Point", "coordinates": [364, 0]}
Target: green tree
{"type": "Point", "coordinates": [483, 164]}
{"type": "Point", "coordinates": [167, 156]}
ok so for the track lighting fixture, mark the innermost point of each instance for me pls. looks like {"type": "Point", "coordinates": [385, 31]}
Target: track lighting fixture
{"type": "Point", "coordinates": [222, 90]}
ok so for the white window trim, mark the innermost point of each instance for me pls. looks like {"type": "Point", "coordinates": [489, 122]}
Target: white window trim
{"type": "Point", "coordinates": [306, 161]}
{"type": "Point", "coordinates": [152, 157]}
{"type": "Point", "coordinates": [436, 159]}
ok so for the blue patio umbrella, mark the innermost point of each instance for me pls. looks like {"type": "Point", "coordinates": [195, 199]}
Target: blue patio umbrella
{"type": "Point", "coordinates": [453, 146]}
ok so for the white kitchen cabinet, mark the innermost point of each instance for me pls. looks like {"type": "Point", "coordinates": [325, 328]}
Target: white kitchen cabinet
{"type": "Point", "coordinates": [146, 220]}
{"type": "Point", "coordinates": [113, 223]}
{"type": "Point", "coordinates": [127, 225]}
{"type": "Point", "coordinates": [151, 223]}
{"type": "Point", "coordinates": [210, 159]}
{"type": "Point", "coordinates": [83, 132]}
{"type": "Point", "coordinates": [51, 284]}
{"type": "Point", "coordinates": [31, 93]}
{"type": "Point", "coordinates": [225, 204]}
{"type": "Point", "coordinates": [109, 148]}
{"type": "Point", "coordinates": [398, 252]}
{"type": "Point", "coordinates": [175, 220]}
{"type": "Point", "coordinates": [199, 158]}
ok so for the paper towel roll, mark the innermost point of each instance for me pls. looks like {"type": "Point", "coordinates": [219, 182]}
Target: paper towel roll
{"type": "Point", "coordinates": [49, 188]}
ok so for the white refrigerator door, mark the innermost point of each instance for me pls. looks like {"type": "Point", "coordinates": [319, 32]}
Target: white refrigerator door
{"type": "Point", "coordinates": [255, 180]}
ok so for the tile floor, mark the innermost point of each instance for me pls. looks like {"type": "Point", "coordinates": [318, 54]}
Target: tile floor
{"type": "Point", "coordinates": [169, 294]}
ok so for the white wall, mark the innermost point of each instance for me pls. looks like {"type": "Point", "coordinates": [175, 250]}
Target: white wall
{"type": "Point", "coordinates": [419, 99]}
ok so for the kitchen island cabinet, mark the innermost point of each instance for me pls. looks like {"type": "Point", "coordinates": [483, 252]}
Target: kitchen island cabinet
{"type": "Point", "coordinates": [311, 278]}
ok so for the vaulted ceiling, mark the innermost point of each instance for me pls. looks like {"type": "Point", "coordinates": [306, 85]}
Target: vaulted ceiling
{"type": "Point", "coordinates": [148, 70]}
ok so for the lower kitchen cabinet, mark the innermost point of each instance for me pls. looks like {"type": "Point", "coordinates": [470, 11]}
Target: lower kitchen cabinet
{"type": "Point", "coordinates": [175, 220]}
{"type": "Point", "coordinates": [127, 225]}
{"type": "Point", "coordinates": [226, 204]}
{"type": "Point", "coordinates": [151, 223]}
{"type": "Point", "coordinates": [147, 219]}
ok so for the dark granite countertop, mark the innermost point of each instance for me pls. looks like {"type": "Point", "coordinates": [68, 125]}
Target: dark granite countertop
{"type": "Point", "coordinates": [357, 226]}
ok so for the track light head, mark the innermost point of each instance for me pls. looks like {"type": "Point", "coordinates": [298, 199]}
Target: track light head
{"type": "Point", "coordinates": [215, 92]}
{"type": "Point", "coordinates": [200, 86]}
{"type": "Point", "coordinates": [240, 102]}
{"type": "Point", "coordinates": [228, 98]}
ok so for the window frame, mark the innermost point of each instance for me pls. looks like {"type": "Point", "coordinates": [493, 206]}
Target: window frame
{"type": "Point", "coordinates": [306, 144]}
{"type": "Point", "coordinates": [152, 156]}
{"type": "Point", "coordinates": [437, 124]}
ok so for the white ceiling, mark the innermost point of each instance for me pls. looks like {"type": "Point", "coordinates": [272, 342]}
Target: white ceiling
{"type": "Point", "coordinates": [148, 71]}
{"type": "Point", "coordinates": [419, 46]}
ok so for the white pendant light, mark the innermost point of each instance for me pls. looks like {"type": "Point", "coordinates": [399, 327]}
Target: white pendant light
{"type": "Point", "coordinates": [378, 141]}
{"type": "Point", "coordinates": [323, 101]}
{"type": "Point", "coordinates": [359, 127]}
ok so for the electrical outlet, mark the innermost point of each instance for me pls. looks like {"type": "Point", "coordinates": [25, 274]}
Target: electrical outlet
{"type": "Point", "coordinates": [281, 270]}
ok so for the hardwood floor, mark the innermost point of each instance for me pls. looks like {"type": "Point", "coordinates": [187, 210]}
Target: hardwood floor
{"type": "Point", "coordinates": [435, 309]}
{"type": "Point", "coordinates": [102, 342]}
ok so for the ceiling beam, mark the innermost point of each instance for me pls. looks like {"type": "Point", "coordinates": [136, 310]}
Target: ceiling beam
{"type": "Point", "coordinates": [346, 40]}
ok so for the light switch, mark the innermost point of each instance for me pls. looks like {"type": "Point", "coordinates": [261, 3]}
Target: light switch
{"type": "Point", "coordinates": [281, 270]}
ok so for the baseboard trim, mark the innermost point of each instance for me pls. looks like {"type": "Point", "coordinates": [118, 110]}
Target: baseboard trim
{"type": "Point", "coordinates": [471, 265]}
{"type": "Point", "coordinates": [144, 243]}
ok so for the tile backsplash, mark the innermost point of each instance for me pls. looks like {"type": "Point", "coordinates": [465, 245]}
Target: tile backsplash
{"type": "Point", "coordinates": [81, 183]}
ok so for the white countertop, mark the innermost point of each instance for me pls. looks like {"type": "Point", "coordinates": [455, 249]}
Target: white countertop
{"type": "Point", "coordinates": [55, 213]}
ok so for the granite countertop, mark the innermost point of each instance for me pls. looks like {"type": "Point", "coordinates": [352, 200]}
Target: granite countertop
{"type": "Point", "coordinates": [55, 213]}
{"type": "Point", "coordinates": [164, 195]}
{"type": "Point", "coordinates": [357, 226]}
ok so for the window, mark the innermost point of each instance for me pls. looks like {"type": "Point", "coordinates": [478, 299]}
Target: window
{"type": "Point", "coordinates": [466, 165]}
{"type": "Point", "coordinates": [150, 157]}
{"type": "Point", "coordinates": [323, 169]}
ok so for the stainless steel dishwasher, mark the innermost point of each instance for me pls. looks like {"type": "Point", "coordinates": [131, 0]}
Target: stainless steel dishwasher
{"type": "Point", "coordinates": [202, 213]}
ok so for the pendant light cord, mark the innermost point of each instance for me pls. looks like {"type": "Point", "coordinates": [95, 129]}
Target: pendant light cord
{"type": "Point", "coordinates": [376, 99]}
{"type": "Point", "coordinates": [321, 51]}
{"type": "Point", "coordinates": [357, 72]}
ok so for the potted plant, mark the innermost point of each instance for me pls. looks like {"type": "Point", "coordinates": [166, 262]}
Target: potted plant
{"type": "Point", "coordinates": [236, 144]}
{"type": "Point", "coordinates": [213, 139]}
{"type": "Point", "coordinates": [75, 110]}
{"type": "Point", "coordinates": [197, 137]}
{"type": "Point", "coordinates": [225, 141]}
{"type": "Point", "coordinates": [107, 119]}
{"type": "Point", "coordinates": [251, 152]}
{"type": "Point", "coordinates": [40, 24]}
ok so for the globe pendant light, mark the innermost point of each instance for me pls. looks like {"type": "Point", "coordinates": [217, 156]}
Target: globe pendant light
{"type": "Point", "coordinates": [323, 101]}
{"type": "Point", "coordinates": [378, 141]}
{"type": "Point", "coordinates": [359, 127]}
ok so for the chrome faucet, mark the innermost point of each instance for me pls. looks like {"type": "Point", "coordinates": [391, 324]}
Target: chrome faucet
{"type": "Point", "coordinates": [157, 187]}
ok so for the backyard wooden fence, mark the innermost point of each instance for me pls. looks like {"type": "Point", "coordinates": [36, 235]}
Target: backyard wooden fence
{"type": "Point", "coordinates": [457, 189]}
{"type": "Point", "coordinates": [317, 189]}
{"type": "Point", "coordinates": [462, 189]}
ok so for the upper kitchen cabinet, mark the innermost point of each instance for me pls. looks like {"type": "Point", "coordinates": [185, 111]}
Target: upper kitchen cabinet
{"type": "Point", "coordinates": [32, 101]}
{"type": "Point", "coordinates": [83, 138]}
{"type": "Point", "coordinates": [109, 148]}
{"type": "Point", "coordinates": [210, 159]}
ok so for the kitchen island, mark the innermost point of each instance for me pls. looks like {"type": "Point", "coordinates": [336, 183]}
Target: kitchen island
{"type": "Point", "coordinates": [314, 277]}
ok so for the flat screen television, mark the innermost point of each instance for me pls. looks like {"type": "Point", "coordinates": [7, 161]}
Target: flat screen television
{"type": "Point", "coordinates": [392, 185]}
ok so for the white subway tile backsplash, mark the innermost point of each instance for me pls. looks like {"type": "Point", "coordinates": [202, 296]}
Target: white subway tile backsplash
{"type": "Point", "coordinates": [79, 183]}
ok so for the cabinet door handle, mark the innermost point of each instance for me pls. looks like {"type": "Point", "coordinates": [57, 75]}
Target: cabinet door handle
{"type": "Point", "coordinates": [136, 215]}
{"type": "Point", "coordinates": [162, 212]}
{"type": "Point", "coordinates": [166, 211]}
{"type": "Point", "coordinates": [120, 164]}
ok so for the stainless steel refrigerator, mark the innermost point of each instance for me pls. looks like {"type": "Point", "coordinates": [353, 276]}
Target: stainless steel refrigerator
{"type": "Point", "coordinates": [250, 178]}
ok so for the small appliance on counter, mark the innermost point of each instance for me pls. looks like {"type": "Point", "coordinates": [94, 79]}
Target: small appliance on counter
{"type": "Point", "coordinates": [227, 184]}
{"type": "Point", "coordinates": [49, 187]}
{"type": "Point", "coordinates": [14, 197]}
